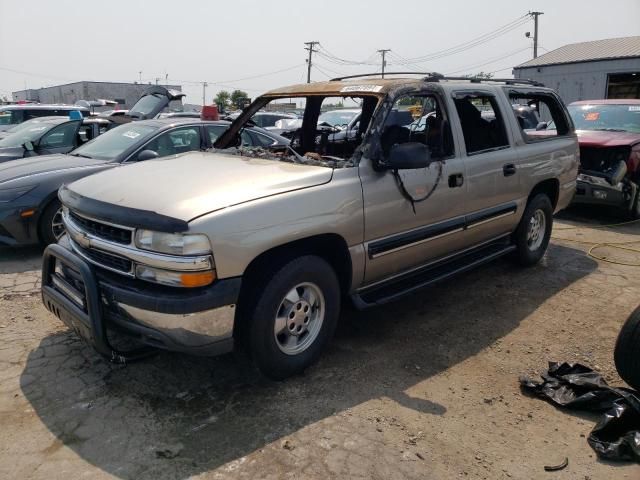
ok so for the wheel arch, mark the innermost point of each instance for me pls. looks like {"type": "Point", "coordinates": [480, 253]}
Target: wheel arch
{"type": "Point", "coordinates": [331, 247]}
{"type": "Point", "coordinates": [550, 187]}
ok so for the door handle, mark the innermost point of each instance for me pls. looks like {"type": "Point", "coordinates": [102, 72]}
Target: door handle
{"type": "Point", "coordinates": [509, 169]}
{"type": "Point", "coordinates": [456, 180]}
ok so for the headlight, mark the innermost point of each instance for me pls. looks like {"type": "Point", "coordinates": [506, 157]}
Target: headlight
{"type": "Point", "coordinates": [11, 194]}
{"type": "Point", "coordinates": [173, 243]}
{"type": "Point", "coordinates": [175, 279]}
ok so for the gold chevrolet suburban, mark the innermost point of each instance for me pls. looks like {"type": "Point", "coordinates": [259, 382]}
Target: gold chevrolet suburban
{"type": "Point", "coordinates": [258, 247]}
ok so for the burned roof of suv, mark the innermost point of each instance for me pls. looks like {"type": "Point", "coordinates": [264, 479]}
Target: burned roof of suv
{"type": "Point", "coordinates": [368, 85]}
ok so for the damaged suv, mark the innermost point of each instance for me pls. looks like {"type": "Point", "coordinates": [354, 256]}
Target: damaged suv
{"type": "Point", "coordinates": [609, 136]}
{"type": "Point", "coordinates": [243, 246]}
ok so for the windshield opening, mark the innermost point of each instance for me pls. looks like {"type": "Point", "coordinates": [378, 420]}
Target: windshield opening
{"type": "Point", "coordinates": [612, 118]}
{"type": "Point", "coordinates": [327, 132]}
{"type": "Point", "coordinates": [110, 145]}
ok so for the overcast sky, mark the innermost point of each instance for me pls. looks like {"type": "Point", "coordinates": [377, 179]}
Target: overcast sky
{"type": "Point", "coordinates": [51, 42]}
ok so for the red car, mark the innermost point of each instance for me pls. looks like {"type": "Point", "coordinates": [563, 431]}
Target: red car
{"type": "Point", "coordinates": [609, 136]}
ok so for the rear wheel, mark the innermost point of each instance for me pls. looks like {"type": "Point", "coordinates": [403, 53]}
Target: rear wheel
{"type": "Point", "coordinates": [293, 316]}
{"type": "Point", "coordinates": [534, 231]}
{"type": "Point", "coordinates": [627, 351]}
{"type": "Point", "coordinates": [51, 227]}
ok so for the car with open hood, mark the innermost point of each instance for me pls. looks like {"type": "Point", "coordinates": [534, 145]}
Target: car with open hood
{"type": "Point", "coordinates": [245, 246]}
{"type": "Point", "coordinates": [609, 136]}
{"type": "Point", "coordinates": [30, 211]}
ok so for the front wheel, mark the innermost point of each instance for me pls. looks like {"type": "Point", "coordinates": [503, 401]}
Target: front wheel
{"type": "Point", "coordinates": [293, 317]}
{"type": "Point", "coordinates": [534, 231]}
{"type": "Point", "coordinates": [51, 226]}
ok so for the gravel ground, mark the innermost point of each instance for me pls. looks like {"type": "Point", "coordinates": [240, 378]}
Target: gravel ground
{"type": "Point", "coordinates": [425, 388]}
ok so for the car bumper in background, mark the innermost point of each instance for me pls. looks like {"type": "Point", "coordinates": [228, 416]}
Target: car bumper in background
{"type": "Point", "coordinates": [596, 191]}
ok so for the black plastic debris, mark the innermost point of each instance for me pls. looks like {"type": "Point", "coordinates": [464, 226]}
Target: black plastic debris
{"type": "Point", "coordinates": [577, 387]}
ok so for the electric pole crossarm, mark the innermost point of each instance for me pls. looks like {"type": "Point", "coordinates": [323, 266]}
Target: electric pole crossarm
{"type": "Point", "coordinates": [535, 16]}
{"type": "Point", "coordinates": [383, 52]}
{"type": "Point", "coordinates": [309, 47]}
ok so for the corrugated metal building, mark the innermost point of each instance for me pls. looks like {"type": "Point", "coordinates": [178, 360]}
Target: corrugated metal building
{"type": "Point", "coordinates": [607, 68]}
{"type": "Point", "coordinates": [126, 94]}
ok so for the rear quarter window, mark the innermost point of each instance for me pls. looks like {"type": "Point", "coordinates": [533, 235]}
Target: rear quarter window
{"type": "Point", "coordinates": [540, 116]}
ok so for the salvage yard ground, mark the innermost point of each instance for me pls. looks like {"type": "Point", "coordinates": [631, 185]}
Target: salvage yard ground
{"type": "Point", "coordinates": [425, 388]}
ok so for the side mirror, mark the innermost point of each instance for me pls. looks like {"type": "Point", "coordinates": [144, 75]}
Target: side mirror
{"type": "Point", "coordinates": [410, 155]}
{"type": "Point", "coordinates": [28, 146]}
{"type": "Point", "coordinates": [541, 126]}
{"type": "Point", "coordinates": [147, 155]}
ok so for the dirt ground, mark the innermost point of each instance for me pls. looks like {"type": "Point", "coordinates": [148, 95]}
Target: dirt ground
{"type": "Point", "coordinates": [426, 388]}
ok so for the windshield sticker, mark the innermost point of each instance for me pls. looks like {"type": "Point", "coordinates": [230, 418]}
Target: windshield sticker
{"type": "Point", "coordinates": [361, 88]}
{"type": "Point", "coordinates": [592, 116]}
{"type": "Point", "coordinates": [131, 134]}
{"type": "Point", "coordinates": [634, 108]}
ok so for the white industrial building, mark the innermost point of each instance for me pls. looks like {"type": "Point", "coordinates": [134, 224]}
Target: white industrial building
{"type": "Point", "coordinates": [607, 68]}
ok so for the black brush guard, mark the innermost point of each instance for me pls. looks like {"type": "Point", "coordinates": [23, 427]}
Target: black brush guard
{"type": "Point", "coordinates": [81, 308]}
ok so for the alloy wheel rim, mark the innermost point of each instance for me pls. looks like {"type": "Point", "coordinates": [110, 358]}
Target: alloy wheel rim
{"type": "Point", "coordinates": [299, 318]}
{"type": "Point", "coordinates": [57, 227]}
{"type": "Point", "coordinates": [536, 230]}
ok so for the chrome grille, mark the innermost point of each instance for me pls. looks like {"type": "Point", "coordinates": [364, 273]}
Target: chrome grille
{"type": "Point", "coordinates": [105, 260]}
{"type": "Point", "coordinates": [103, 230]}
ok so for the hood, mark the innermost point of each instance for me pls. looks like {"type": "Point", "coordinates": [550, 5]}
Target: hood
{"type": "Point", "coordinates": [33, 166]}
{"type": "Point", "coordinates": [597, 138]}
{"type": "Point", "coordinates": [193, 184]}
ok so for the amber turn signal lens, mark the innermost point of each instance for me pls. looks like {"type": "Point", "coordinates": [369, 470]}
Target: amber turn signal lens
{"type": "Point", "coordinates": [197, 279]}
{"type": "Point", "coordinates": [27, 213]}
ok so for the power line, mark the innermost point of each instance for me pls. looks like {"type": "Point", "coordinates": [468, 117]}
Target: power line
{"type": "Point", "coordinates": [482, 39]}
{"type": "Point", "coordinates": [490, 61]}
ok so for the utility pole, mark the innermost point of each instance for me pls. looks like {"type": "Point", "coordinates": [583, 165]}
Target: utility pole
{"type": "Point", "coordinates": [204, 93]}
{"type": "Point", "coordinates": [535, 16]}
{"type": "Point", "coordinates": [383, 52]}
{"type": "Point", "coordinates": [309, 46]}
{"type": "Point", "coordinates": [140, 76]}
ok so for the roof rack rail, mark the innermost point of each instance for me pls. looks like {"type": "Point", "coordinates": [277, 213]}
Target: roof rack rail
{"type": "Point", "coordinates": [337, 79]}
{"type": "Point", "coordinates": [508, 81]}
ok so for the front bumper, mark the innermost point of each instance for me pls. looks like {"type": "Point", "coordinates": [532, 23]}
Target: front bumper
{"type": "Point", "coordinates": [596, 192]}
{"type": "Point", "coordinates": [92, 302]}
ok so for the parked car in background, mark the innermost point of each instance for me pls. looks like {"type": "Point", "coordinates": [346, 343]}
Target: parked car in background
{"type": "Point", "coordinates": [113, 113]}
{"type": "Point", "coordinates": [178, 115]}
{"type": "Point", "coordinates": [47, 135]}
{"type": "Point", "coordinates": [11, 115]}
{"type": "Point", "coordinates": [153, 100]}
{"type": "Point", "coordinates": [29, 206]}
{"type": "Point", "coordinates": [609, 136]}
{"type": "Point", "coordinates": [212, 249]}
{"type": "Point", "coordinates": [265, 119]}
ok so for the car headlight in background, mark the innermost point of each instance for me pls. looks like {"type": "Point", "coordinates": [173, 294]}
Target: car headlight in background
{"type": "Point", "coordinates": [173, 243]}
{"type": "Point", "coordinates": [10, 194]}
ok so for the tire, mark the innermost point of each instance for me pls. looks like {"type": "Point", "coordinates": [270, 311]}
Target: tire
{"type": "Point", "coordinates": [531, 242]}
{"type": "Point", "coordinates": [627, 352]}
{"type": "Point", "coordinates": [634, 213]}
{"type": "Point", "coordinates": [306, 320]}
{"type": "Point", "coordinates": [50, 228]}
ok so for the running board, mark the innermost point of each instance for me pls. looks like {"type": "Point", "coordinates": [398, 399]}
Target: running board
{"type": "Point", "coordinates": [429, 274]}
